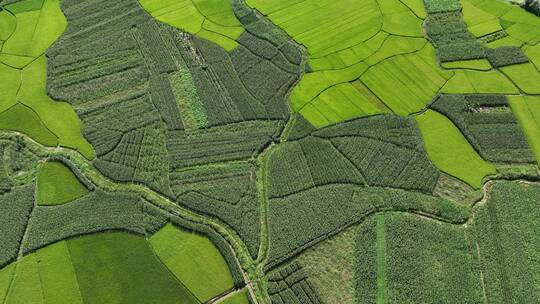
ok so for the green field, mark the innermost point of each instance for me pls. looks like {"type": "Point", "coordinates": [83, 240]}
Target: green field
{"type": "Point", "coordinates": [23, 71]}
{"type": "Point", "coordinates": [450, 151]}
{"type": "Point", "coordinates": [57, 184]}
{"type": "Point", "coordinates": [527, 111]}
{"type": "Point", "coordinates": [194, 260]}
{"type": "Point", "coordinates": [212, 20]}
{"type": "Point", "coordinates": [238, 298]}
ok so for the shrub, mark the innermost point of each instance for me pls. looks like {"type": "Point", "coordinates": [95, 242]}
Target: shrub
{"type": "Point", "coordinates": [506, 55]}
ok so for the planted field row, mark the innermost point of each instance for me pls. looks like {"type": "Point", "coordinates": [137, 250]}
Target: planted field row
{"type": "Point", "coordinates": [299, 221]}
{"type": "Point", "coordinates": [226, 192]}
{"type": "Point", "coordinates": [384, 151]}
{"type": "Point", "coordinates": [15, 209]}
{"type": "Point", "coordinates": [289, 284]}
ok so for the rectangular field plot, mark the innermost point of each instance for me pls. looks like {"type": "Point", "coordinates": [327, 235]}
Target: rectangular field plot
{"type": "Point", "coordinates": [527, 111]}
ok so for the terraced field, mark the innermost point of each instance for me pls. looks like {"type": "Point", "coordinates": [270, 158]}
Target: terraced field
{"type": "Point", "coordinates": [269, 151]}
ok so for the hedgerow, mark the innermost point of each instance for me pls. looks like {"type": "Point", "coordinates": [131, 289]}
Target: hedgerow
{"type": "Point", "coordinates": [290, 285]}
{"type": "Point", "coordinates": [506, 55]}
{"type": "Point", "coordinates": [226, 192]}
{"type": "Point", "coordinates": [95, 212]}
{"type": "Point", "coordinates": [488, 124]}
{"type": "Point", "coordinates": [15, 209]}
{"type": "Point", "coordinates": [301, 220]}
{"type": "Point", "coordinates": [451, 38]}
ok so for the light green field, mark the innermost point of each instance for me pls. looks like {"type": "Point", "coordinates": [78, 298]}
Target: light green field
{"type": "Point", "coordinates": [523, 25]}
{"type": "Point", "coordinates": [450, 151]}
{"type": "Point", "coordinates": [26, 286]}
{"type": "Point", "coordinates": [471, 82]}
{"type": "Point", "coordinates": [6, 276]}
{"type": "Point", "coordinates": [345, 38]}
{"type": "Point", "coordinates": [118, 267]}
{"type": "Point", "coordinates": [9, 85]}
{"type": "Point", "coordinates": [36, 29]}
{"type": "Point", "coordinates": [105, 268]}
{"type": "Point", "coordinates": [57, 275]}
{"type": "Point", "coordinates": [479, 22]}
{"type": "Point", "coordinates": [212, 20]}
{"type": "Point", "coordinates": [237, 298]}
{"type": "Point", "coordinates": [22, 119]}
{"type": "Point", "coordinates": [527, 111]}
{"type": "Point", "coordinates": [57, 184]}
{"type": "Point", "coordinates": [7, 24]}
{"type": "Point", "coordinates": [194, 260]}
{"type": "Point", "coordinates": [406, 83]}
{"type": "Point", "coordinates": [525, 76]}
{"type": "Point", "coordinates": [38, 25]}
{"type": "Point", "coordinates": [533, 52]}
{"type": "Point", "coordinates": [59, 117]}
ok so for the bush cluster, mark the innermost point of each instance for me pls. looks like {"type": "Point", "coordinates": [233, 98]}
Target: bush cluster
{"type": "Point", "coordinates": [506, 55]}
{"type": "Point", "coordinates": [451, 38]}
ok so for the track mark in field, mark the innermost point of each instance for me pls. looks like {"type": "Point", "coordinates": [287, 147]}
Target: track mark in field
{"type": "Point", "coordinates": [381, 255]}
{"type": "Point", "coordinates": [482, 283]}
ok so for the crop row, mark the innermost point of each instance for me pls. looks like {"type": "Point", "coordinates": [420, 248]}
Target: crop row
{"type": "Point", "coordinates": [225, 192]}
{"type": "Point", "coordinates": [382, 151]}
{"type": "Point", "coordinates": [290, 285]}
{"type": "Point", "coordinates": [301, 220]}
{"type": "Point", "coordinates": [98, 211]}
{"type": "Point", "coordinates": [451, 38]}
{"type": "Point", "coordinates": [488, 124]}
{"type": "Point", "coordinates": [218, 144]}
{"type": "Point", "coordinates": [15, 208]}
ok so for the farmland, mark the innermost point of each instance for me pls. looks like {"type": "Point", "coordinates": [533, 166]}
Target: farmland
{"type": "Point", "coordinates": [269, 151]}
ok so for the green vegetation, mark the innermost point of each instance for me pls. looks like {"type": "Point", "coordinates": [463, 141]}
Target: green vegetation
{"type": "Point", "coordinates": [57, 275]}
{"type": "Point", "coordinates": [527, 111]}
{"type": "Point", "coordinates": [238, 298]}
{"type": "Point", "coordinates": [507, 246]}
{"type": "Point", "coordinates": [450, 151]}
{"type": "Point", "coordinates": [57, 184]}
{"type": "Point", "coordinates": [194, 260]}
{"type": "Point", "coordinates": [428, 262]}
{"type": "Point", "coordinates": [488, 124]}
{"type": "Point", "coordinates": [119, 267]}
{"type": "Point", "coordinates": [23, 119]}
{"type": "Point", "coordinates": [37, 25]}
{"type": "Point", "coordinates": [15, 208]}
{"type": "Point", "coordinates": [525, 76]}
{"type": "Point", "coordinates": [289, 284]}
{"type": "Point", "coordinates": [212, 20]}
{"type": "Point", "coordinates": [481, 82]}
